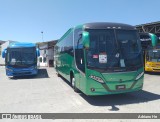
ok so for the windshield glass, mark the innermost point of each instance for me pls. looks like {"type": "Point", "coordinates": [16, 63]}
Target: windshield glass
{"type": "Point", "coordinates": [145, 40]}
{"type": "Point", "coordinates": [153, 55]}
{"type": "Point", "coordinates": [21, 56]}
{"type": "Point", "coordinates": [114, 50]}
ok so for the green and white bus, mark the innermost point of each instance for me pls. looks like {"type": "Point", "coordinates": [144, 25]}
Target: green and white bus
{"type": "Point", "coordinates": [101, 58]}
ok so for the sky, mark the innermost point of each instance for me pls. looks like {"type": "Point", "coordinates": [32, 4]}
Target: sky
{"type": "Point", "coordinates": [24, 20]}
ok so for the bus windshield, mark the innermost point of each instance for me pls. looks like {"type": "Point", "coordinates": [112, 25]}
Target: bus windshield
{"type": "Point", "coordinates": [153, 55]}
{"type": "Point", "coordinates": [114, 50]}
{"type": "Point", "coordinates": [21, 57]}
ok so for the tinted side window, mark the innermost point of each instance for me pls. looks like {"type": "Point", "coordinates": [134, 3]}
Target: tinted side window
{"type": "Point", "coordinates": [66, 44]}
{"type": "Point", "coordinates": [68, 48]}
{"type": "Point", "coordinates": [76, 35]}
{"type": "Point", "coordinates": [40, 59]}
{"type": "Point", "coordinates": [44, 59]}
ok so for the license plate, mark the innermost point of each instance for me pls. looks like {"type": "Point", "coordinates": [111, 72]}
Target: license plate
{"type": "Point", "coordinates": [120, 87]}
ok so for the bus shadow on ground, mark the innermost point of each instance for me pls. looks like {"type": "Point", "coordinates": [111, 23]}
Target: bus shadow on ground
{"type": "Point", "coordinates": [118, 99]}
{"type": "Point", "coordinates": [121, 99]}
{"type": "Point", "coordinates": [42, 73]}
{"type": "Point", "coordinates": [66, 81]}
{"type": "Point", "coordinates": [153, 73]}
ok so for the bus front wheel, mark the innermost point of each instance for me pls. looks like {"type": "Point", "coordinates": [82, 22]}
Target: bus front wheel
{"type": "Point", "coordinates": [73, 85]}
{"type": "Point", "coordinates": [58, 74]}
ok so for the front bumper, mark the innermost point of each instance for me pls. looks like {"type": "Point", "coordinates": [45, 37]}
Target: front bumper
{"type": "Point", "coordinates": [21, 72]}
{"type": "Point", "coordinates": [152, 69]}
{"type": "Point", "coordinates": [110, 88]}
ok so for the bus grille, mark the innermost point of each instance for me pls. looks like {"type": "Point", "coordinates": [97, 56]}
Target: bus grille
{"type": "Point", "coordinates": [22, 73]}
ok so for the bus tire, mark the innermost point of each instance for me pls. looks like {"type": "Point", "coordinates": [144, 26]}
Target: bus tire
{"type": "Point", "coordinates": [73, 85]}
{"type": "Point", "coordinates": [58, 74]}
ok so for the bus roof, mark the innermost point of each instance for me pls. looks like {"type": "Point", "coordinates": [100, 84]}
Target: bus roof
{"type": "Point", "coordinates": [100, 25]}
{"type": "Point", "coordinates": [144, 34]}
{"type": "Point", "coordinates": [21, 44]}
{"type": "Point", "coordinates": [108, 25]}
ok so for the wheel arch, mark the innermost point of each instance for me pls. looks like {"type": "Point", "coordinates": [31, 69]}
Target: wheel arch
{"type": "Point", "coordinates": [72, 74]}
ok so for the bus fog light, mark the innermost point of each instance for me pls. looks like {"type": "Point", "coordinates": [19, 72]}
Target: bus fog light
{"type": "Point", "coordinates": [9, 69]}
{"type": "Point", "coordinates": [140, 75]}
{"type": "Point", "coordinates": [92, 89]}
{"type": "Point", "coordinates": [96, 78]}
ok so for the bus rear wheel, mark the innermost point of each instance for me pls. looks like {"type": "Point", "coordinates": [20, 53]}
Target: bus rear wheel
{"type": "Point", "coordinates": [73, 85]}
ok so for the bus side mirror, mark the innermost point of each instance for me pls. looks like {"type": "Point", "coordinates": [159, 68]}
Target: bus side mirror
{"type": "Point", "coordinates": [147, 55]}
{"type": "Point", "coordinates": [38, 52]}
{"type": "Point", "coordinates": [154, 39]}
{"type": "Point", "coordinates": [4, 53]}
{"type": "Point", "coordinates": [85, 39]}
{"type": "Point", "coordinates": [147, 58]}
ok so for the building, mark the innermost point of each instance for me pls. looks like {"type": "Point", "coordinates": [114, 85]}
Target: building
{"type": "Point", "coordinates": [46, 58]}
{"type": "Point", "coordinates": [1, 42]}
{"type": "Point", "coordinates": [1, 60]}
{"type": "Point", "coordinates": [153, 27]}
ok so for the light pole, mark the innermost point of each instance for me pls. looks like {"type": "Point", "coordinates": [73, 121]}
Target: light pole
{"type": "Point", "coordinates": [42, 35]}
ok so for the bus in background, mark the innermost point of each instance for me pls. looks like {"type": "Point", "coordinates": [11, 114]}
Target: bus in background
{"type": "Point", "coordinates": [101, 58]}
{"type": "Point", "coordinates": [148, 40]}
{"type": "Point", "coordinates": [152, 59]}
{"type": "Point", "coordinates": [21, 59]}
{"type": "Point", "coordinates": [151, 52]}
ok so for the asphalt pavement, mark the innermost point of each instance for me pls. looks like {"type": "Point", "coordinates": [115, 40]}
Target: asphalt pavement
{"type": "Point", "coordinates": [47, 93]}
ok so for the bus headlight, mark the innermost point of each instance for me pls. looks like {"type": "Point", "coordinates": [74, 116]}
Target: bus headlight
{"type": "Point", "coordinates": [33, 67]}
{"type": "Point", "coordinates": [140, 75]}
{"type": "Point", "coordinates": [9, 69]}
{"type": "Point", "coordinates": [147, 65]}
{"type": "Point", "coordinates": [96, 78]}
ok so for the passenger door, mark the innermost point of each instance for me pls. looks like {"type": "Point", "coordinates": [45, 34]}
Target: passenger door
{"type": "Point", "coordinates": [79, 59]}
